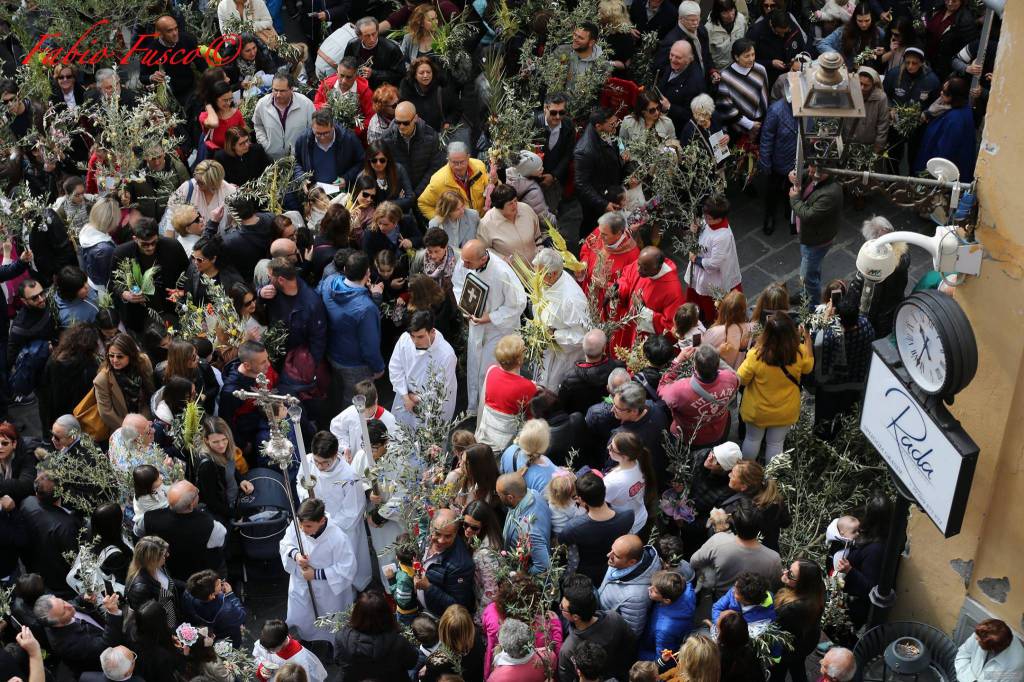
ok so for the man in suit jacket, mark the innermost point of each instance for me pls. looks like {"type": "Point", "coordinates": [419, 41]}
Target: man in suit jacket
{"type": "Point", "coordinates": [54, 531]}
{"type": "Point", "coordinates": [679, 83]}
{"type": "Point", "coordinates": [118, 664]}
{"type": "Point", "coordinates": [558, 138]}
{"type": "Point", "coordinates": [600, 170]}
{"type": "Point", "coordinates": [653, 15]}
{"type": "Point", "coordinates": [689, 29]}
{"type": "Point", "coordinates": [80, 638]}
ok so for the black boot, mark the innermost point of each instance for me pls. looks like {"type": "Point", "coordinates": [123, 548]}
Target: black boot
{"type": "Point", "coordinates": [769, 224]}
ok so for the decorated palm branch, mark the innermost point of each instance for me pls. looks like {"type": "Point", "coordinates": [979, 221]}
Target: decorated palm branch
{"type": "Point", "coordinates": [344, 107]}
{"type": "Point", "coordinates": [906, 118]}
{"type": "Point", "coordinates": [187, 429]}
{"type": "Point", "coordinates": [60, 125]}
{"type": "Point", "coordinates": [33, 78]}
{"type": "Point", "coordinates": [237, 662]}
{"type": "Point", "coordinates": [510, 123]}
{"type": "Point", "coordinates": [538, 337]}
{"type": "Point", "coordinates": [130, 277]}
{"type": "Point", "coordinates": [451, 40]}
{"type": "Point", "coordinates": [23, 212]}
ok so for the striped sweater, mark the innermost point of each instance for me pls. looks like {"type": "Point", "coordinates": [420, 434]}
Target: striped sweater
{"type": "Point", "coordinates": [742, 96]}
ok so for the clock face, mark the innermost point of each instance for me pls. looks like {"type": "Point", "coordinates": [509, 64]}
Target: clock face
{"type": "Point", "coordinates": [921, 349]}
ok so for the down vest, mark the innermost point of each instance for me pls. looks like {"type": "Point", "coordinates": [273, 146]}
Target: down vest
{"type": "Point", "coordinates": [627, 595]}
{"type": "Point", "coordinates": [388, 656]}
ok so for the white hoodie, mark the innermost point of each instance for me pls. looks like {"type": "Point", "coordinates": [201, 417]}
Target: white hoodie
{"type": "Point", "coordinates": [87, 238]}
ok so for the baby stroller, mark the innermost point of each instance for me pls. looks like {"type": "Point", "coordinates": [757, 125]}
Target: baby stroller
{"type": "Point", "coordinates": [263, 517]}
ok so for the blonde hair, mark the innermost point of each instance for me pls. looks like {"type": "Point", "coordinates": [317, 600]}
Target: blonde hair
{"type": "Point", "coordinates": [561, 488]}
{"type": "Point", "coordinates": [456, 629]}
{"type": "Point", "coordinates": [209, 174]}
{"type": "Point", "coordinates": [462, 439]}
{"type": "Point", "coordinates": [148, 552]}
{"type": "Point", "coordinates": [765, 491]}
{"type": "Point", "coordinates": [387, 209]}
{"type": "Point", "coordinates": [447, 203]}
{"type": "Point", "coordinates": [534, 439]}
{"type": "Point", "coordinates": [699, 660]}
{"type": "Point", "coordinates": [105, 215]}
{"type": "Point", "coordinates": [182, 218]}
{"type": "Point", "coordinates": [613, 13]}
{"type": "Point", "coordinates": [510, 351]}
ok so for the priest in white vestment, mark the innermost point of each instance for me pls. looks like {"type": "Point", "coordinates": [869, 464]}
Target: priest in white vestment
{"type": "Point", "coordinates": [328, 565]}
{"type": "Point", "coordinates": [420, 352]}
{"type": "Point", "coordinates": [505, 300]}
{"type": "Point", "coordinates": [338, 485]}
{"type": "Point", "coordinates": [566, 312]}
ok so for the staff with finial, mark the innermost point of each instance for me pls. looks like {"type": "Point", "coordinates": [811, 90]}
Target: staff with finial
{"type": "Point", "coordinates": [279, 449]}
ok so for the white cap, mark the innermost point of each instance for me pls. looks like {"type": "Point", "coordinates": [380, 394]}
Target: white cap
{"type": "Point", "coordinates": [727, 454]}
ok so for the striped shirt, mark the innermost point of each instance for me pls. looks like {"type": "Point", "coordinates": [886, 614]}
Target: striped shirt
{"type": "Point", "coordinates": [742, 95]}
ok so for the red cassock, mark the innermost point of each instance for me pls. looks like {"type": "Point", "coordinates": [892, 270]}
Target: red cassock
{"type": "Point", "coordinates": [661, 296]}
{"type": "Point", "coordinates": [619, 257]}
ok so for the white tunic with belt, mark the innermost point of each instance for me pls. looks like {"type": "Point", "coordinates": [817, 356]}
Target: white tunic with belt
{"type": "Point", "coordinates": [331, 556]}
{"type": "Point", "coordinates": [410, 368]}
{"type": "Point", "coordinates": [506, 301]}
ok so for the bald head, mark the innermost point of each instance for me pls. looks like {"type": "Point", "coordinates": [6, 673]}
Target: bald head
{"type": "Point", "coordinates": [282, 248]}
{"type": "Point", "coordinates": [405, 111]}
{"type": "Point", "coordinates": [474, 254]}
{"type": "Point", "coordinates": [182, 497]}
{"type": "Point", "coordinates": [839, 664]}
{"type": "Point", "coordinates": [627, 551]}
{"type": "Point", "coordinates": [650, 261]}
{"type": "Point", "coordinates": [511, 489]}
{"type": "Point", "coordinates": [594, 343]}
{"type": "Point", "coordinates": [681, 55]}
{"type": "Point", "coordinates": [443, 518]}
{"type": "Point", "coordinates": [135, 426]}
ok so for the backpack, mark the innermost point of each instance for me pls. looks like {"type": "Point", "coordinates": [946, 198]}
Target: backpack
{"type": "Point", "coordinates": [28, 367]}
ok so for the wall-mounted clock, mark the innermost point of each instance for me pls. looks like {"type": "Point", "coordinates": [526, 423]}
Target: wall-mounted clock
{"type": "Point", "coordinates": [936, 343]}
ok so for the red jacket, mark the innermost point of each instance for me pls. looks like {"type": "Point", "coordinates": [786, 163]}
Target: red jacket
{"type": "Point", "coordinates": [365, 99]}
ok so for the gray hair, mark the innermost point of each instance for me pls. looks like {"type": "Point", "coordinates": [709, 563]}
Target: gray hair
{"type": "Point", "coordinates": [705, 362]}
{"type": "Point", "coordinates": [617, 377]}
{"type": "Point", "coordinates": [549, 260]}
{"type": "Point", "coordinates": [43, 606]}
{"type": "Point", "coordinates": [841, 670]}
{"type": "Point", "coordinates": [688, 8]}
{"type": "Point", "coordinates": [366, 21]}
{"type": "Point", "coordinates": [69, 423]}
{"type": "Point", "coordinates": [115, 664]}
{"type": "Point", "coordinates": [633, 395]}
{"type": "Point", "coordinates": [875, 227]}
{"type": "Point", "coordinates": [516, 638]}
{"type": "Point", "coordinates": [702, 104]}
{"type": "Point", "coordinates": [104, 74]}
{"type": "Point", "coordinates": [594, 343]}
{"type": "Point", "coordinates": [456, 147]}
{"type": "Point", "coordinates": [613, 220]}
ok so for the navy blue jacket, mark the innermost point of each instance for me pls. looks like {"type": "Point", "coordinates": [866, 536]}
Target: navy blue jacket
{"type": "Point", "coordinates": [778, 139]}
{"type": "Point", "coordinates": [304, 317]}
{"type": "Point", "coordinates": [451, 579]}
{"type": "Point", "coordinates": [224, 615]}
{"type": "Point", "coordinates": [680, 91]}
{"type": "Point", "coordinates": [348, 154]}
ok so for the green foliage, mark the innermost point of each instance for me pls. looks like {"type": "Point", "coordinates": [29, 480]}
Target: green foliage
{"type": "Point", "coordinates": [344, 106]}
{"type": "Point", "coordinates": [130, 277]}
{"type": "Point", "coordinates": [822, 480]}
{"type": "Point", "coordinates": [906, 117]}
{"type": "Point", "coordinates": [34, 80]}
{"type": "Point", "coordinates": [642, 63]}
{"type": "Point", "coordinates": [81, 487]}
{"type": "Point", "coordinates": [271, 187]}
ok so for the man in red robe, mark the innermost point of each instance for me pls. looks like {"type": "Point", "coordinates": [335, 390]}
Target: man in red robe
{"type": "Point", "coordinates": [656, 280]}
{"type": "Point", "coordinates": [606, 252]}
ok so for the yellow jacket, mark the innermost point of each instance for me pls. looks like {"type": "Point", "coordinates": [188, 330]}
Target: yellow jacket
{"type": "Point", "coordinates": [770, 398]}
{"type": "Point", "coordinates": [443, 180]}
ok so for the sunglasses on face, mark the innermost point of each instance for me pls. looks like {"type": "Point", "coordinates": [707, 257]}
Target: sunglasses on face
{"type": "Point", "coordinates": [476, 527]}
{"type": "Point", "coordinates": [403, 123]}
{"type": "Point", "coordinates": [653, 110]}
{"type": "Point", "coordinates": [368, 195]}
{"type": "Point", "coordinates": [557, 113]}
{"type": "Point", "coordinates": [66, 77]}
{"type": "Point", "coordinates": [379, 160]}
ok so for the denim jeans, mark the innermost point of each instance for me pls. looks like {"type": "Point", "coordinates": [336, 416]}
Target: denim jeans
{"type": "Point", "coordinates": [810, 271]}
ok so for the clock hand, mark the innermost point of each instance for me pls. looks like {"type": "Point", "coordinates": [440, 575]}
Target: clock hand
{"type": "Point", "coordinates": [925, 349]}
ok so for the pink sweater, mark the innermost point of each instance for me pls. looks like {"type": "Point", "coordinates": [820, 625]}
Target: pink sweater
{"type": "Point", "coordinates": [534, 670]}
{"type": "Point", "coordinates": [492, 621]}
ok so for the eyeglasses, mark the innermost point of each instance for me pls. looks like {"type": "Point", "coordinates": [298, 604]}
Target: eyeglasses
{"type": "Point", "coordinates": [653, 110]}
{"type": "Point", "coordinates": [378, 160]}
{"type": "Point", "coordinates": [367, 195]}
{"type": "Point", "coordinates": [198, 220]}
{"type": "Point", "coordinates": [248, 302]}
{"type": "Point", "coordinates": [116, 356]}
{"type": "Point", "coordinates": [67, 77]}
{"type": "Point", "coordinates": [390, 105]}
{"type": "Point", "coordinates": [324, 133]}
{"type": "Point", "coordinates": [475, 527]}
{"type": "Point", "coordinates": [404, 123]}
{"type": "Point", "coordinates": [199, 259]}
{"type": "Point", "coordinates": [556, 113]}
{"type": "Point", "coordinates": [36, 297]}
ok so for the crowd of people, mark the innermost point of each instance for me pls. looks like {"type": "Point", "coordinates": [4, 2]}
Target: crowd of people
{"type": "Point", "coordinates": [413, 273]}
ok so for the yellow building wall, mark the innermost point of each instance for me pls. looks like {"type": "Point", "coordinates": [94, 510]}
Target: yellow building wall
{"type": "Point", "coordinates": [935, 576]}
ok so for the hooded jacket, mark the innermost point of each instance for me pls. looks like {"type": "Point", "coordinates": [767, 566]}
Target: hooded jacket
{"type": "Point", "coordinates": [626, 594]}
{"type": "Point", "coordinates": [668, 625]}
{"type": "Point", "coordinates": [873, 128]}
{"type": "Point", "coordinates": [97, 253]}
{"type": "Point", "coordinates": [353, 323]}
{"type": "Point", "coordinates": [387, 656]}
{"type": "Point", "coordinates": [758, 613]}
{"type": "Point", "coordinates": [224, 615]}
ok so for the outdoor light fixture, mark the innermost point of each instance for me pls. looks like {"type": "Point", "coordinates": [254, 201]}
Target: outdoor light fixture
{"type": "Point", "coordinates": [824, 88]}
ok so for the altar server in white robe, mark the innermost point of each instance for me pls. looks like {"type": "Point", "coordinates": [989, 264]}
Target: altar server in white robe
{"type": "Point", "coordinates": [422, 351]}
{"type": "Point", "coordinates": [388, 495]}
{"type": "Point", "coordinates": [341, 490]}
{"type": "Point", "coordinates": [328, 565]}
{"type": "Point", "coordinates": [566, 312]}
{"type": "Point", "coordinates": [345, 426]}
{"type": "Point", "coordinates": [506, 300]}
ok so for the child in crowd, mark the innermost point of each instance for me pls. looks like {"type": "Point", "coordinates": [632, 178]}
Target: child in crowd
{"type": "Point", "coordinates": [559, 494]}
{"type": "Point", "coordinates": [840, 534]}
{"type": "Point", "coordinates": [210, 601]}
{"type": "Point", "coordinates": [275, 648]}
{"type": "Point", "coordinates": [424, 629]}
{"type": "Point", "coordinates": [686, 323]}
{"type": "Point", "coordinates": [400, 582]}
{"type": "Point", "coordinates": [671, 618]}
{"type": "Point", "coordinates": [644, 671]}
